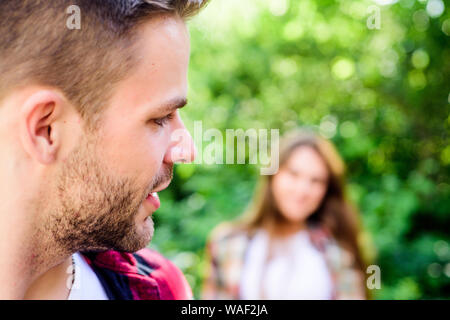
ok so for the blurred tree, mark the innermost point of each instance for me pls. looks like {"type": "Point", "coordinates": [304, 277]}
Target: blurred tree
{"type": "Point", "coordinates": [382, 95]}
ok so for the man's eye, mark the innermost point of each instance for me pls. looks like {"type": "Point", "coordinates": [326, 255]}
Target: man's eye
{"type": "Point", "coordinates": [164, 120]}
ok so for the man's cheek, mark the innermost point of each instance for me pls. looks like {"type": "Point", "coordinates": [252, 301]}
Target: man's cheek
{"type": "Point", "coordinates": [158, 148]}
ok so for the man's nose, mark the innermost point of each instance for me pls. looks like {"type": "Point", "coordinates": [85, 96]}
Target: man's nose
{"type": "Point", "coordinates": [182, 148]}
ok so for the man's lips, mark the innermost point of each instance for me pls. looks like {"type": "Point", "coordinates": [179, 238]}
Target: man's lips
{"type": "Point", "coordinates": [153, 199]}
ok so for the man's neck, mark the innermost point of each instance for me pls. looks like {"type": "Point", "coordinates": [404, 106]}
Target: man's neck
{"type": "Point", "coordinates": [30, 264]}
{"type": "Point", "coordinates": [55, 284]}
{"type": "Point", "coordinates": [29, 257]}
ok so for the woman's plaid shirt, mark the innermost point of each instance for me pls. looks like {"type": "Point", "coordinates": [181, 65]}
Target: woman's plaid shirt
{"type": "Point", "coordinates": [226, 251]}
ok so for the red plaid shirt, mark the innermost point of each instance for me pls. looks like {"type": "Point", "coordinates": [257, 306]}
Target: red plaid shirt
{"type": "Point", "coordinates": [144, 275]}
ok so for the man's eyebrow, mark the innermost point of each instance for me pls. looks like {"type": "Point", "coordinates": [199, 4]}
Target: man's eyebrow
{"type": "Point", "coordinates": [171, 105]}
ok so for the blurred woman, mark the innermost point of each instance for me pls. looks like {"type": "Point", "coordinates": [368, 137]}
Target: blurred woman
{"type": "Point", "coordinates": [299, 240]}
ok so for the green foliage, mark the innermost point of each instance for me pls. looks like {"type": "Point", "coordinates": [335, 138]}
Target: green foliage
{"type": "Point", "coordinates": [381, 95]}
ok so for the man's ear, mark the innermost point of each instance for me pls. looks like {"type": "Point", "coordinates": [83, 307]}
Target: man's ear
{"type": "Point", "coordinates": [37, 116]}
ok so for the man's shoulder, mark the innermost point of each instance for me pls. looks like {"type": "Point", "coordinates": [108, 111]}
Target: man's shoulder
{"type": "Point", "coordinates": [145, 274]}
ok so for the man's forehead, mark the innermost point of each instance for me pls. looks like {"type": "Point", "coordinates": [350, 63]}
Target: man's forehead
{"type": "Point", "coordinates": [163, 27]}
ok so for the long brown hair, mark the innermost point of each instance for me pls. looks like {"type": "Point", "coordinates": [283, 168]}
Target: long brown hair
{"type": "Point", "coordinates": [335, 213]}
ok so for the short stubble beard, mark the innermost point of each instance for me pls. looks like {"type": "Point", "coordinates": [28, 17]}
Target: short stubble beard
{"type": "Point", "coordinates": [97, 211]}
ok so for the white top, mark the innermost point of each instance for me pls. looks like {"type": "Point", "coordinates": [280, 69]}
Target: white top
{"type": "Point", "coordinates": [86, 285]}
{"type": "Point", "coordinates": [297, 270]}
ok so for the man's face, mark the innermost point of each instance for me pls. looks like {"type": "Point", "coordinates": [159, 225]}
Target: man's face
{"type": "Point", "coordinates": [103, 186]}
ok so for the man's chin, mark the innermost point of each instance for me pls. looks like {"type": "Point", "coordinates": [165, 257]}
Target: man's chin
{"type": "Point", "coordinates": [144, 234]}
{"type": "Point", "coordinates": [149, 230]}
{"type": "Point", "coordinates": [138, 239]}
